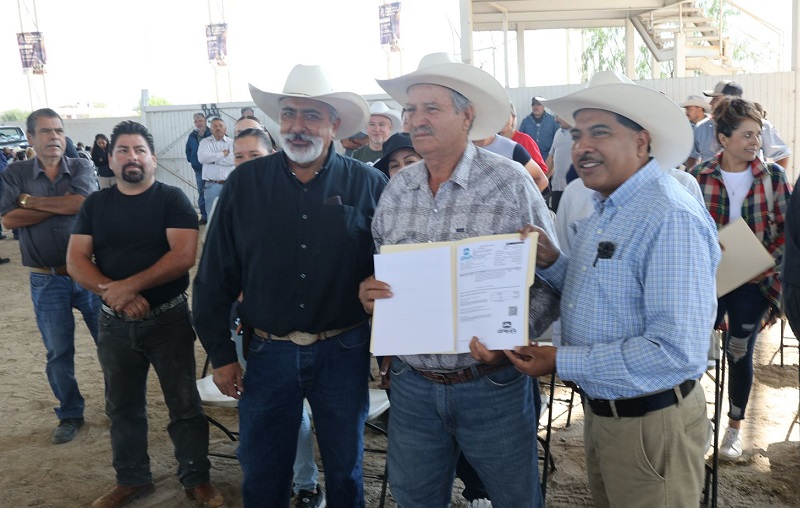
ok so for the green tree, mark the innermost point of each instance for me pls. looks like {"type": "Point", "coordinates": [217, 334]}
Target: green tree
{"type": "Point", "coordinates": [154, 101]}
{"type": "Point", "coordinates": [13, 115]}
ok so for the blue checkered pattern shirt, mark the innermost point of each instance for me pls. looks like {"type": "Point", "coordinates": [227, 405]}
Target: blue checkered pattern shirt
{"type": "Point", "coordinates": [638, 321]}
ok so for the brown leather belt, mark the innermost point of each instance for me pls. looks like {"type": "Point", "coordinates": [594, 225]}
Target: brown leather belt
{"type": "Point", "coordinates": [221, 182]}
{"type": "Point", "coordinates": [305, 338]}
{"type": "Point", "coordinates": [464, 375]}
{"type": "Point", "coordinates": [55, 270]}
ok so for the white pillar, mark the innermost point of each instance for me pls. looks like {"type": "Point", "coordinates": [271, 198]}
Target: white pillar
{"type": "Point", "coordinates": [520, 57]}
{"type": "Point", "coordinates": [466, 31]}
{"type": "Point", "coordinates": [679, 56]}
{"type": "Point", "coordinates": [630, 50]}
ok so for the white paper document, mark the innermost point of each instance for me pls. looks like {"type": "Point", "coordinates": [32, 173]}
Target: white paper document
{"type": "Point", "coordinates": [743, 257]}
{"type": "Point", "coordinates": [446, 293]}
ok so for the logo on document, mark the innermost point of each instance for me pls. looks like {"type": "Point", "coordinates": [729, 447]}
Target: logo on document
{"type": "Point", "coordinates": [465, 255]}
{"type": "Point", "coordinates": [507, 328]}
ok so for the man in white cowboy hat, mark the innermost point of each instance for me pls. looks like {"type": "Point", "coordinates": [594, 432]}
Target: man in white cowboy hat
{"type": "Point", "coordinates": [383, 122]}
{"type": "Point", "coordinates": [291, 232]}
{"type": "Point", "coordinates": [696, 109]}
{"type": "Point", "coordinates": [706, 145]}
{"type": "Point", "coordinates": [443, 403]}
{"type": "Point", "coordinates": [638, 298]}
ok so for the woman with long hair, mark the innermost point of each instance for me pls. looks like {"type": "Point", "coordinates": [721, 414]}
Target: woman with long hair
{"type": "Point", "coordinates": [738, 184]}
{"type": "Point", "coordinates": [105, 176]}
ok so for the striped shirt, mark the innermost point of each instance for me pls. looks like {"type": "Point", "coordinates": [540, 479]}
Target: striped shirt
{"type": "Point", "coordinates": [487, 194]}
{"type": "Point", "coordinates": [638, 321]}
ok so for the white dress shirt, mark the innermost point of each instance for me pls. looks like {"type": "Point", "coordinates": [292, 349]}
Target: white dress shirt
{"type": "Point", "coordinates": [216, 165]}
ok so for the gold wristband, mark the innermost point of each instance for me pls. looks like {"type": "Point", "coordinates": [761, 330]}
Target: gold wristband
{"type": "Point", "coordinates": [24, 201]}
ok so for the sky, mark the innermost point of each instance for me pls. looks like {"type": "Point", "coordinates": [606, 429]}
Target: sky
{"type": "Point", "coordinates": [100, 51]}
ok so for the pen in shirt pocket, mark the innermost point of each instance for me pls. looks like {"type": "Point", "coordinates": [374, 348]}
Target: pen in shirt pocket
{"type": "Point", "coordinates": [605, 250]}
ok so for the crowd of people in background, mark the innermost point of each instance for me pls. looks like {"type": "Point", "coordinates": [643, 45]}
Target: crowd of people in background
{"type": "Point", "coordinates": [637, 186]}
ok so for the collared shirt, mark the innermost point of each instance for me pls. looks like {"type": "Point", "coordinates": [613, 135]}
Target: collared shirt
{"type": "Point", "coordinates": [297, 251]}
{"type": "Point", "coordinates": [754, 210]}
{"type": "Point", "coordinates": [542, 131]}
{"type": "Point", "coordinates": [706, 146]}
{"type": "Point", "coordinates": [216, 165]}
{"type": "Point", "coordinates": [45, 244]}
{"type": "Point", "coordinates": [561, 151]}
{"type": "Point", "coordinates": [638, 321]}
{"type": "Point", "coordinates": [486, 195]}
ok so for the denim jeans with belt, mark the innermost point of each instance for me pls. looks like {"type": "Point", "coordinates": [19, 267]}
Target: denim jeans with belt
{"type": "Point", "coordinates": [490, 419]}
{"type": "Point", "coordinates": [211, 191]}
{"type": "Point", "coordinates": [54, 297]}
{"type": "Point", "coordinates": [332, 374]}
{"type": "Point", "coordinates": [126, 350]}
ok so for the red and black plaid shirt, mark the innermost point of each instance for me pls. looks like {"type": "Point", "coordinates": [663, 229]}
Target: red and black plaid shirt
{"type": "Point", "coordinates": [754, 210]}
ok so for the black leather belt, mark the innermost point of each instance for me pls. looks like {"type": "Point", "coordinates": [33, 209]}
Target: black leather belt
{"type": "Point", "coordinates": [639, 406]}
{"type": "Point", "coordinates": [157, 311]}
{"type": "Point", "coordinates": [463, 375]}
{"type": "Point", "coordinates": [220, 182]}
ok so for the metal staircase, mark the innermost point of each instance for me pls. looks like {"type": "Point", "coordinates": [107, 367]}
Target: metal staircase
{"type": "Point", "coordinates": [682, 32]}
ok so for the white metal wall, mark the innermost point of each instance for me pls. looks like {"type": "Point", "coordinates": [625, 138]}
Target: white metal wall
{"type": "Point", "coordinates": [171, 125]}
{"type": "Point", "coordinates": [774, 91]}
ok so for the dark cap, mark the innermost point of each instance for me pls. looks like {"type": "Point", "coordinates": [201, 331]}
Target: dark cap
{"type": "Point", "coordinates": [395, 142]}
{"type": "Point", "coordinates": [537, 100]}
{"type": "Point", "coordinates": [725, 87]}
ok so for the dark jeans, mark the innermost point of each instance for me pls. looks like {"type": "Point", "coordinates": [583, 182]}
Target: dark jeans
{"type": "Point", "coordinates": [745, 307]}
{"type": "Point", "coordinates": [54, 297]}
{"type": "Point", "coordinates": [332, 374]}
{"type": "Point", "coordinates": [126, 350]}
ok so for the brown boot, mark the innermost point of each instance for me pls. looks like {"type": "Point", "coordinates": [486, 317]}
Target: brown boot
{"type": "Point", "coordinates": [121, 495]}
{"type": "Point", "coordinates": [206, 496]}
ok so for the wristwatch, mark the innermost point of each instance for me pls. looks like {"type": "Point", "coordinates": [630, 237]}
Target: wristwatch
{"type": "Point", "coordinates": [24, 201]}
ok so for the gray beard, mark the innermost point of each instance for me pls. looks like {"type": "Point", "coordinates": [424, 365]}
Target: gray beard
{"type": "Point", "coordinates": [306, 155]}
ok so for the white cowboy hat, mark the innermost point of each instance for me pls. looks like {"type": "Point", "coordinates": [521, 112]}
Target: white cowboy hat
{"type": "Point", "coordinates": [696, 100]}
{"type": "Point", "coordinates": [311, 82]}
{"type": "Point", "coordinates": [381, 109]}
{"type": "Point", "coordinates": [485, 93]}
{"type": "Point", "coordinates": [671, 136]}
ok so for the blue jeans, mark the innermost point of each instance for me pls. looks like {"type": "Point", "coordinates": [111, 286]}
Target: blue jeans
{"type": "Point", "coordinates": [745, 307]}
{"type": "Point", "coordinates": [332, 374]}
{"type": "Point", "coordinates": [201, 200]}
{"type": "Point", "coordinates": [490, 419]}
{"type": "Point", "coordinates": [126, 350]}
{"type": "Point", "coordinates": [54, 297]}
{"type": "Point", "coordinates": [306, 472]}
{"type": "Point", "coordinates": [211, 192]}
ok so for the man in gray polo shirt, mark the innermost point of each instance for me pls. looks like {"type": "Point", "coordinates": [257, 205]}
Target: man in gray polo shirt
{"type": "Point", "coordinates": [41, 197]}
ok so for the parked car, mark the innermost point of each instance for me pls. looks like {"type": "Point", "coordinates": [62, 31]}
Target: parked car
{"type": "Point", "coordinates": [12, 137]}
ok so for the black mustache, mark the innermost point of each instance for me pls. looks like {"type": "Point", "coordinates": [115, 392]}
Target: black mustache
{"type": "Point", "coordinates": [132, 165]}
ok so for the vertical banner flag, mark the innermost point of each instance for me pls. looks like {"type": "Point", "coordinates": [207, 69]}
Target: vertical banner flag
{"type": "Point", "coordinates": [389, 15]}
{"type": "Point", "coordinates": [32, 52]}
{"type": "Point", "coordinates": [217, 42]}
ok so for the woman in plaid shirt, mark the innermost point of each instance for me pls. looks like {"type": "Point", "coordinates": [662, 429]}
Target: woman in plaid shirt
{"type": "Point", "coordinates": [733, 185]}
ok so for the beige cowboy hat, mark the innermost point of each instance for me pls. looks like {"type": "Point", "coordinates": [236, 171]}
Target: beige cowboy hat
{"type": "Point", "coordinates": [671, 136]}
{"type": "Point", "coordinates": [696, 100]}
{"type": "Point", "coordinates": [312, 82]}
{"type": "Point", "coordinates": [381, 109]}
{"type": "Point", "coordinates": [485, 93]}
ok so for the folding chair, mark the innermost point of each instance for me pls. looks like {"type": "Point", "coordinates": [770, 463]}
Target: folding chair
{"type": "Point", "coordinates": [715, 362]}
{"type": "Point", "coordinates": [210, 396]}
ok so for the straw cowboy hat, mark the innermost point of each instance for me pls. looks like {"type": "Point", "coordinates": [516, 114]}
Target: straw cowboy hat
{"type": "Point", "coordinates": [671, 136]}
{"type": "Point", "coordinates": [381, 109]}
{"type": "Point", "coordinates": [696, 100]}
{"type": "Point", "coordinates": [311, 82]}
{"type": "Point", "coordinates": [485, 93]}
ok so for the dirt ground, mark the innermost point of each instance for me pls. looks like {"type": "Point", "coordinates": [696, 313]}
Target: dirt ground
{"type": "Point", "coordinates": [36, 472]}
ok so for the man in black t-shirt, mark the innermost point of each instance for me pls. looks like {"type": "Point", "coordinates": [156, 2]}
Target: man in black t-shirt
{"type": "Point", "coordinates": [133, 245]}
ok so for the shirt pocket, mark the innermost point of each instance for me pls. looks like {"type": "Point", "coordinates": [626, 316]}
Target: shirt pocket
{"type": "Point", "coordinates": [619, 286]}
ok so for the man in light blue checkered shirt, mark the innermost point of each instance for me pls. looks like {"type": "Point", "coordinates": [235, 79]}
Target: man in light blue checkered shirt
{"type": "Point", "coordinates": [638, 298]}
